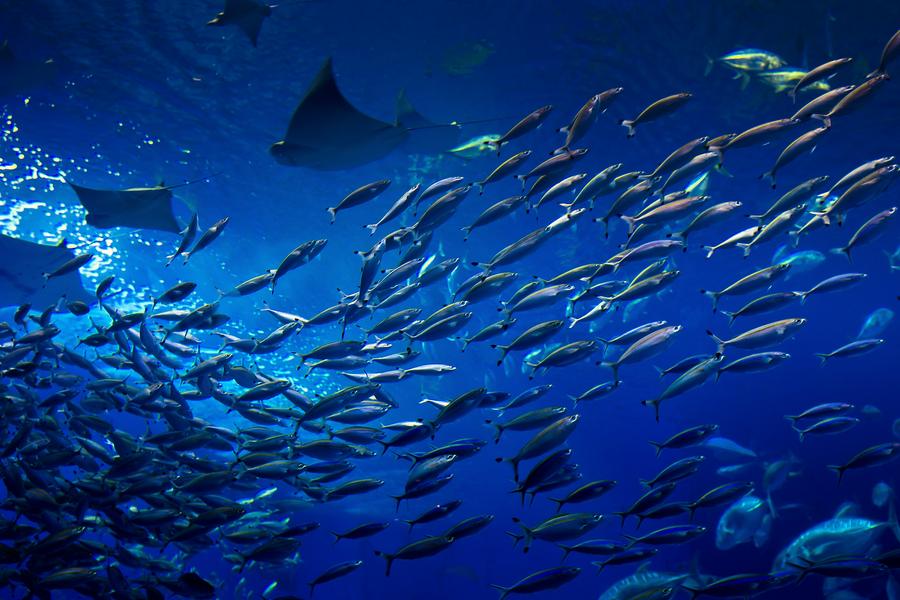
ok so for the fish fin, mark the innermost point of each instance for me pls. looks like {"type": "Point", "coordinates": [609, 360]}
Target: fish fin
{"type": "Point", "coordinates": [823, 357]}
{"type": "Point", "coordinates": [845, 251]}
{"type": "Point", "coordinates": [746, 248]}
{"type": "Point", "coordinates": [504, 592]}
{"type": "Point", "coordinates": [717, 340]}
{"type": "Point", "coordinates": [839, 469]}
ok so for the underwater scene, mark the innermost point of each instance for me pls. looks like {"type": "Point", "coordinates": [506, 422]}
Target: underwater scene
{"type": "Point", "coordinates": [439, 300]}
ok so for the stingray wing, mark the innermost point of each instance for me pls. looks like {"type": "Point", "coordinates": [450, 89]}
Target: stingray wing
{"type": "Point", "coordinates": [425, 136]}
{"type": "Point", "coordinates": [325, 120]}
{"type": "Point", "coordinates": [22, 269]}
{"type": "Point", "coordinates": [147, 208]}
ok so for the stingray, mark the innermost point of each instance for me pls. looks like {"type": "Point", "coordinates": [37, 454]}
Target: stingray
{"type": "Point", "coordinates": [246, 15]}
{"type": "Point", "coordinates": [327, 132]}
{"type": "Point", "coordinates": [22, 269]}
{"type": "Point", "coordinates": [138, 208]}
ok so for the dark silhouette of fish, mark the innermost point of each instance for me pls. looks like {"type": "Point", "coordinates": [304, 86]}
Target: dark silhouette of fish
{"type": "Point", "coordinates": [22, 269]}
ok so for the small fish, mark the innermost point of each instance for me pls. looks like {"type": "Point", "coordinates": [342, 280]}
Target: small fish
{"type": "Point", "coordinates": [360, 195]}
{"type": "Point", "coordinates": [852, 349]}
{"type": "Point", "coordinates": [657, 109]}
{"type": "Point", "coordinates": [530, 122]}
{"type": "Point", "coordinates": [823, 71]}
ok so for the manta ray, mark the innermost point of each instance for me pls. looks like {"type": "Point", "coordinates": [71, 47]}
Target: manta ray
{"type": "Point", "coordinates": [22, 269]}
{"type": "Point", "coordinates": [246, 15]}
{"type": "Point", "coordinates": [327, 132]}
{"type": "Point", "coordinates": [138, 208]}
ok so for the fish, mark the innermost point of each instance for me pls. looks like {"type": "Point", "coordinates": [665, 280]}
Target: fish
{"type": "Point", "coordinates": [546, 439]}
{"type": "Point", "coordinates": [528, 123]}
{"type": "Point", "coordinates": [783, 79]}
{"type": "Point", "coordinates": [335, 572]}
{"type": "Point", "coordinates": [655, 110]}
{"type": "Point", "coordinates": [747, 520]}
{"type": "Point", "coordinates": [503, 169]}
{"type": "Point", "coordinates": [888, 54]}
{"type": "Point", "coordinates": [584, 118]}
{"type": "Point", "coordinates": [748, 283]}
{"type": "Point", "coordinates": [558, 528]}
{"type": "Point", "coordinates": [693, 377]}
{"type": "Point", "coordinates": [761, 337]}
{"type": "Point", "coordinates": [409, 197]}
{"type": "Point", "coordinates": [359, 196]}
{"type": "Point", "coordinates": [853, 99]}
{"type": "Point", "coordinates": [823, 71]}
{"type": "Point", "coordinates": [808, 140]}
{"type": "Point", "coordinates": [428, 546]}
{"type": "Point", "coordinates": [548, 579]}
{"type": "Point", "coordinates": [831, 425]}
{"type": "Point", "coordinates": [754, 363]}
{"type": "Point", "coordinates": [689, 437]}
{"type": "Point", "coordinates": [854, 348]}
{"type": "Point", "coordinates": [875, 324]}
{"type": "Point", "coordinates": [867, 232]}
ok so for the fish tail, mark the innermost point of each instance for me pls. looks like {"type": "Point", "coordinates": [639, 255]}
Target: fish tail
{"type": "Point", "coordinates": [718, 341]}
{"type": "Point", "coordinates": [614, 367]}
{"type": "Point", "coordinates": [746, 248]}
{"type": "Point", "coordinates": [630, 221]}
{"type": "Point", "coordinates": [839, 469]}
{"type": "Point", "coordinates": [710, 63]}
{"type": "Point", "coordinates": [731, 317]}
{"type": "Point", "coordinates": [372, 227]}
{"type": "Point", "coordinates": [332, 212]}
{"type": "Point", "coordinates": [655, 404]}
{"type": "Point", "coordinates": [845, 251]}
{"type": "Point", "coordinates": [389, 559]}
{"type": "Point", "coordinates": [573, 321]}
{"type": "Point", "coordinates": [711, 295]}
{"type": "Point", "coordinates": [623, 515]}
{"type": "Point", "coordinates": [658, 446]}
{"type": "Point", "coordinates": [795, 238]}
{"type": "Point", "coordinates": [504, 592]}
{"type": "Point", "coordinates": [480, 185]}
{"type": "Point", "coordinates": [823, 357]}
{"type": "Point", "coordinates": [629, 126]}
{"type": "Point", "coordinates": [826, 120]}
{"type": "Point", "coordinates": [710, 250]}
{"type": "Point", "coordinates": [559, 505]}
{"type": "Point", "coordinates": [770, 177]}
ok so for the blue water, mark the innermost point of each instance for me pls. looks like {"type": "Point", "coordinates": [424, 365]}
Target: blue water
{"type": "Point", "coordinates": [144, 92]}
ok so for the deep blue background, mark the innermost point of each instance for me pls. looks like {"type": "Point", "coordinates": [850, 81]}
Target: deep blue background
{"type": "Point", "coordinates": [134, 72]}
